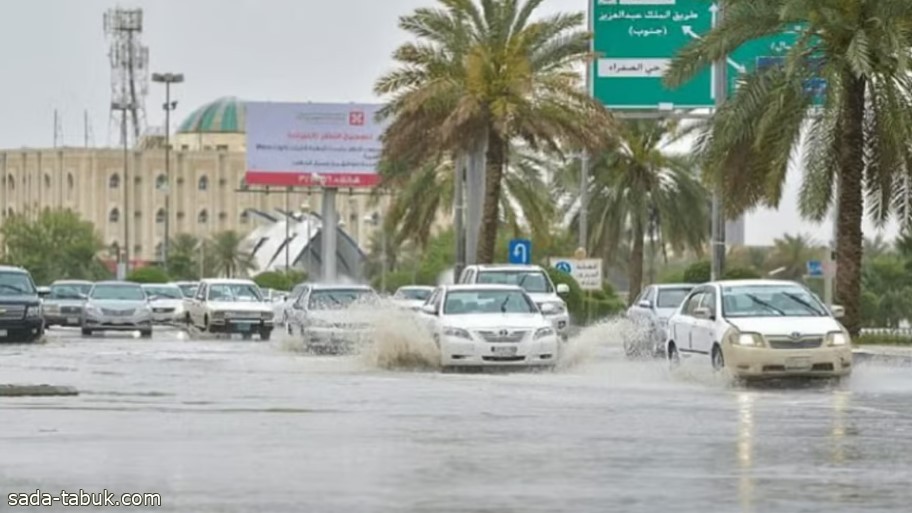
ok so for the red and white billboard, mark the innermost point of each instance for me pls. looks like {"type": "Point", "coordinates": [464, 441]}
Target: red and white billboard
{"type": "Point", "coordinates": [313, 144]}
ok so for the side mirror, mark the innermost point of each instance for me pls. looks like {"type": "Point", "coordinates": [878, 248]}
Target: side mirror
{"type": "Point", "coordinates": [837, 311]}
{"type": "Point", "coordinates": [645, 304]}
{"type": "Point", "coordinates": [43, 291]}
{"type": "Point", "coordinates": [429, 309]}
{"type": "Point", "coordinates": [563, 288]}
{"type": "Point", "coordinates": [548, 309]}
{"type": "Point", "coordinates": [703, 313]}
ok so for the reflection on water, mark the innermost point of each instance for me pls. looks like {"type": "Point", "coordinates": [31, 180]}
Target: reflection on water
{"type": "Point", "coordinates": [745, 442]}
{"type": "Point", "coordinates": [841, 403]}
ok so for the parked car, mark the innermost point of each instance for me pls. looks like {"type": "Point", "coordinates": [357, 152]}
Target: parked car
{"type": "Point", "coordinates": [651, 311]}
{"type": "Point", "coordinates": [231, 306]}
{"type": "Point", "coordinates": [167, 302]}
{"type": "Point", "coordinates": [490, 325]}
{"type": "Point", "coordinates": [188, 289]}
{"type": "Point", "coordinates": [64, 302]}
{"type": "Point", "coordinates": [759, 329]}
{"type": "Point", "coordinates": [21, 318]}
{"type": "Point", "coordinates": [117, 306]}
{"type": "Point", "coordinates": [330, 318]}
{"type": "Point", "coordinates": [531, 278]}
{"type": "Point", "coordinates": [412, 296]}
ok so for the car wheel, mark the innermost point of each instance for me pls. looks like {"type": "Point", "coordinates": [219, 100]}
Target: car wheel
{"type": "Point", "coordinates": [718, 360]}
{"type": "Point", "coordinates": [86, 332]}
{"type": "Point", "coordinates": [288, 329]}
{"type": "Point", "coordinates": [205, 324]}
{"type": "Point", "coordinates": [145, 333]}
{"type": "Point", "coordinates": [674, 359]}
{"type": "Point", "coordinates": [265, 334]}
{"type": "Point", "coordinates": [246, 336]}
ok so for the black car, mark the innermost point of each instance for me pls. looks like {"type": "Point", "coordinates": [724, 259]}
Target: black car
{"type": "Point", "coordinates": [21, 318]}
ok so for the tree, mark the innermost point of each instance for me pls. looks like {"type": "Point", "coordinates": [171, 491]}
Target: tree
{"type": "Point", "coordinates": [149, 274]}
{"type": "Point", "coordinates": [858, 139]}
{"type": "Point", "coordinates": [184, 253]}
{"type": "Point", "coordinates": [639, 190]}
{"type": "Point", "coordinates": [58, 244]}
{"type": "Point", "coordinates": [791, 254]}
{"type": "Point", "coordinates": [230, 256]}
{"type": "Point", "coordinates": [280, 280]}
{"type": "Point", "coordinates": [478, 77]}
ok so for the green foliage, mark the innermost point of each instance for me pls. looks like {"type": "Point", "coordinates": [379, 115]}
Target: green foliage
{"type": "Point", "coordinates": [280, 280]}
{"type": "Point", "coordinates": [698, 272]}
{"type": "Point", "coordinates": [184, 252]}
{"type": "Point", "coordinates": [741, 273]}
{"type": "Point", "coordinates": [394, 280]}
{"type": "Point", "coordinates": [57, 244]}
{"type": "Point", "coordinates": [574, 299]}
{"type": "Point", "coordinates": [882, 339]}
{"type": "Point", "coordinates": [886, 298]}
{"type": "Point", "coordinates": [148, 274]}
{"type": "Point", "coordinates": [230, 257]}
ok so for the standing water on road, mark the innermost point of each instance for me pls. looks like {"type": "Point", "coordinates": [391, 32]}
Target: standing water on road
{"type": "Point", "coordinates": [237, 426]}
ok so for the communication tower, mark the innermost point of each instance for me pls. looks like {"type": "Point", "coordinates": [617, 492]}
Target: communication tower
{"type": "Point", "coordinates": [129, 72]}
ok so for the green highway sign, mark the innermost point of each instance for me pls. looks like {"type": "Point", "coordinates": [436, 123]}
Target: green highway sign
{"type": "Point", "coordinates": [635, 40]}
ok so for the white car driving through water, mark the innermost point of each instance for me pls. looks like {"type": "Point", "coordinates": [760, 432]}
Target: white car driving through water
{"type": "Point", "coordinates": [650, 313]}
{"type": "Point", "coordinates": [332, 318]}
{"type": "Point", "coordinates": [759, 329]}
{"type": "Point", "coordinates": [490, 325]}
{"type": "Point", "coordinates": [167, 302]}
{"type": "Point", "coordinates": [231, 306]}
{"type": "Point", "coordinates": [412, 297]}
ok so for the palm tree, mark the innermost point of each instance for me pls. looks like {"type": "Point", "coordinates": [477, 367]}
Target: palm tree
{"type": "Point", "coordinates": [426, 194]}
{"type": "Point", "coordinates": [791, 253]}
{"type": "Point", "coordinates": [876, 247]}
{"type": "Point", "coordinates": [229, 254]}
{"type": "Point", "coordinates": [478, 77]}
{"type": "Point", "coordinates": [639, 189]}
{"type": "Point", "coordinates": [183, 257]}
{"type": "Point", "coordinates": [857, 140]}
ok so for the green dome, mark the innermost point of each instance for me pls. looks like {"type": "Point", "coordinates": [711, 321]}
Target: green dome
{"type": "Point", "coordinates": [225, 115]}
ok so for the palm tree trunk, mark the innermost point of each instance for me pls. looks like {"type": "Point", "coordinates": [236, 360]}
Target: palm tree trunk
{"type": "Point", "coordinates": [490, 214]}
{"type": "Point", "coordinates": [849, 240]}
{"type": "Point", "coordinates": [635, 267]}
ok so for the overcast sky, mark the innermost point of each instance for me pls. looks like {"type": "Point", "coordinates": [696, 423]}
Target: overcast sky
{"type": "Point", "coordinates": [53, 55]}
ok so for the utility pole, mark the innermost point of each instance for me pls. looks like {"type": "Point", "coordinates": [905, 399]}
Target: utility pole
{"type": "Point", "coordinates": [584, 156]}
{"type": "Point", "coordinates": [288, 219]}
{"type": "Point", "coordinates": [125, 108]}
{"type": "Point", "coordinates": [459, 216]}
{"type": "Point", "coordinates": [167, 79]}
{"type": "Point", "coordinates": [718, 210]}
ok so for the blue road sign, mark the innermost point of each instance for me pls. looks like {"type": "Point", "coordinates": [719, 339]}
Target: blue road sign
{"type": "Point", "coordinates": [564, 267]}
{"type": "Point", "coordinates": [520, 251]}
{"type": "Point", "coordinates": [815, 268]}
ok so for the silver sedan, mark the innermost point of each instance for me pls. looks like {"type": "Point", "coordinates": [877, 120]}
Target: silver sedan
{"type": "Point", "coordinates": [117, 306]}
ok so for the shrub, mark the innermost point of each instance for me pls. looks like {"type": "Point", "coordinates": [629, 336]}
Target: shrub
{"type": "Point", "coordinates": [279, 280]}
{"type": "Point", "coordinates": [701, 272]}
{"type": "Point", "coordinates": [149, 274]}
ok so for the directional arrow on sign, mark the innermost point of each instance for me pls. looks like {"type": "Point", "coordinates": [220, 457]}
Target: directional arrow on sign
{"type": "Point", "coordinates": [520, 252]}
{"type": "Point", "coordinates": [688, 31]}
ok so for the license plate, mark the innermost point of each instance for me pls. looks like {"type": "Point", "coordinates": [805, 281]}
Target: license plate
{"type": "Point", "coordinates": [797, 363]}
{"type": "Point", "coordinates": [504, 351]}
{"type": "Point", "coordinates": [72, 320]}
{"type": "Point", "coordinates": [3, 333]}
{"type": "Point", "coordinates": [244, 326]}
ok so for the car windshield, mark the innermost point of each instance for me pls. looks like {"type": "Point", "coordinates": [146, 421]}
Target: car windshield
{"type": "Point", "coordinates": [69, 290]}
{"type": "Point", "coordinates": [465, 302]}
{"type": "Point", "coordinates": [416, 294]}
{"type": "Point", "coordinates": [339, 298]}
{"type": "Point", "coordinates": [770, 301]}
{"type": "Point", "coordinates": [118, 293]}
{"type": "Point", "coordinates": [234, 292]}
{"type": "Point", "coordinates": [161, 292]}
{"type": "Point", "coordinates": [531, 281]}
{"type": "Point", "coordinates": [189, 289]}
{"type": "Point", "coordinates": [671, 298]}
{"type": "Point", "coordinates": [16, 284]}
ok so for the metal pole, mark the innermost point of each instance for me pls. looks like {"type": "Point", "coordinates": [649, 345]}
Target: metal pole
{"type": "Point", "coordinates": [383, 262]}
{"type": "Point", "coordinates": [459, 214]}
{"type": "Point", "coordinates": [718, 211]}
{"type": "Point", "coordinates": [584, 158]}
{"type": "Point", "coordinates": [166, 242]}
{"type": "Point", "coordinates": [126, 191]}
{"type": "Point", "coordinates": [287, 230]}
{"type": "Point", "coordinates": [829, 272]}
{"type": "Point", "coordinates": [328, 245]}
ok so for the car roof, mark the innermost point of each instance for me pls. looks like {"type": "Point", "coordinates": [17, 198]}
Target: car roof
{"type": "Point", "coordinates": [416, 287]}
{"type": "Point", "coordinates": [12, 268]}
{"type": "Point", "coordinates": [179, 283]}
{"type": "Point", "coordinates": [729, 283]}
{"type": "Point", "coordinates": [481, 286]}
{"type": "Point", "coordinates": [227, 281]}
{"type": "Point", "coordinates": [661, 286]}
{"type": "Point", "coordinates": [170, 285]}
{"type": "Point", "coordinates": [507, 267]}
{"type": "Point", "coordinates": [117, 282]}
{"type": "Point", "coordinates": [72, 282]}
{"type": "Point", "coordinates": [339, 286]}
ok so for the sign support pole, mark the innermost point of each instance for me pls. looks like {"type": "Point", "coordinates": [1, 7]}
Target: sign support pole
{"type": "Point", "coordinates": [330, 225]}
{"type": "Point", "coordinates": [718, 211]}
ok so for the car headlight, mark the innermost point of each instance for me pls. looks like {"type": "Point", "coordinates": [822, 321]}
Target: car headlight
{"type": "Point", "coordinates": [218, 315]}
{"type": "Point", "coordinates": [749, 339]}
{"type": "Point", "coordinates": [267, 316]}
{"type": "Point", "coordinates": [93, 310]}
{"type": "Point", "coordinates": [457, 332]}
{"type": "Point", "coordinates": [556, 307]}
{"type": "Point", "coordinates": [543, 332]}
{"type": "Point", "coordinates": [837, 338]}
{"type": "Point", "coordinates": [33, 312]}
{"type": "Point", "coordinates": [179, 309]}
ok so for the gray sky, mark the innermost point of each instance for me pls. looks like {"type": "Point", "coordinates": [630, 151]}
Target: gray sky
{"type": "Point", "coordinates": [54, 56]}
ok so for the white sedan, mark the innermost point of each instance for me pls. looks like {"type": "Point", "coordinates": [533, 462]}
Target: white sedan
{"type": "Point", "coordinates": [759, 329]}
{"type": "Point", "coordinates": [412, 297]}
{"type": "Point", "coordinates": [490, 325]}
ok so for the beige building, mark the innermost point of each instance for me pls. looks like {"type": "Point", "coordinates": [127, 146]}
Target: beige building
{"type": "Point", "coordinates": [207, 183]}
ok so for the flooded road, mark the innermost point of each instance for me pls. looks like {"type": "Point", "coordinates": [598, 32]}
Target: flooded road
{"type": "Point", "coordinates": [232, 426]}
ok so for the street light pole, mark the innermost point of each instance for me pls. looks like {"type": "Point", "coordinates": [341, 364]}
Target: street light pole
{"type": "Point", "coordinates": [718, 211]}
{"type": "Point", "coordinates": [125, 107]}
{"type": "Point", "coordinates": [287, 230]}
{"type": "Point", "coordinates": [167, 79]}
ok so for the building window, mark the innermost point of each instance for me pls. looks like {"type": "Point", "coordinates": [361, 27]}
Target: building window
{"type": "Point", "coordinates": [137, 249]}
{"type": "Point", "coordinates": [180, 181]}
{"type": "Point", "coordinates": [10, 212]}
{"type": "Point", "coordinates": [243, 185]}
{"type": "Point", "coordinates": [160, 182]}
{"type": "Point", "coordinates": [223, 182]}
{"type": "Point", "coordinates": [137, 180]}
{"type": "Point", "coordinates": [137, 214]}
{"type": "Point", "coordinates": [12, 183]}
{"type": "Point", "coordinates": [223, 216]}
{"type": "Point", "coordinates": [114, 181]}
{"type": "Point", "coordinates": [160, 216]}
{"type": "Point", "coordinates": [47, 181]}
{"type": "Point", "coordinates": [221, 147]}
{"type": "Point", "coordinates": [159, 248]}
{"type": "Point", "coordinates": [203, 183]}
{"type": "Point", "coordinates": [203, 217]}
{"type": "Point", "coordinates": [70, 181]}
{"type": "Point", "coordinates": [114, 215]}
{"type": "Point", "coordinates": [244, 217]}
{"type": "Point", "coordinates": [180, 214]}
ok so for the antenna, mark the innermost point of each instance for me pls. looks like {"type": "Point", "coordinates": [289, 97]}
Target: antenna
{"type": "Point", "coordinates": [129, 70]}
{"type": "Point", "coordinates": [58, 129]}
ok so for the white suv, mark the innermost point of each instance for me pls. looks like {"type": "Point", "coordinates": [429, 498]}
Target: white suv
{"type": "Point", "coordinates": [760, 329]}
{"type": "Point", "coordinates": [531, 278]}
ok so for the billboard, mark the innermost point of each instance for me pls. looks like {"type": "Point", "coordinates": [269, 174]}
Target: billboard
{"type": "Point", "coordinates": [313, 144]}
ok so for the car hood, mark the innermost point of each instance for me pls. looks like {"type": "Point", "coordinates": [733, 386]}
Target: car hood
{"type": "Point", "coordinates": [786, 326]}
{"type": "Point", "coordinates": [19, 300]}
{"type": "Point", "coordinates": [167, 303]}
{"type": "Point", "coordinates": [496, 321]}
{"type": "Point", "coordinates": [64, 302]}
{"type": "Point", "coordinates": [240, 306]}
{"type": "Point", "coordinates": [118, 304]}
{"type": "Point", "coordinates": [409, 303]}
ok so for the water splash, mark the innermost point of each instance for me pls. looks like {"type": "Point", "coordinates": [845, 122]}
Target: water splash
{"type": "Point", "coordinates": [606, 336]}
{"type": "Point", "coordinates": [400, 340]}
